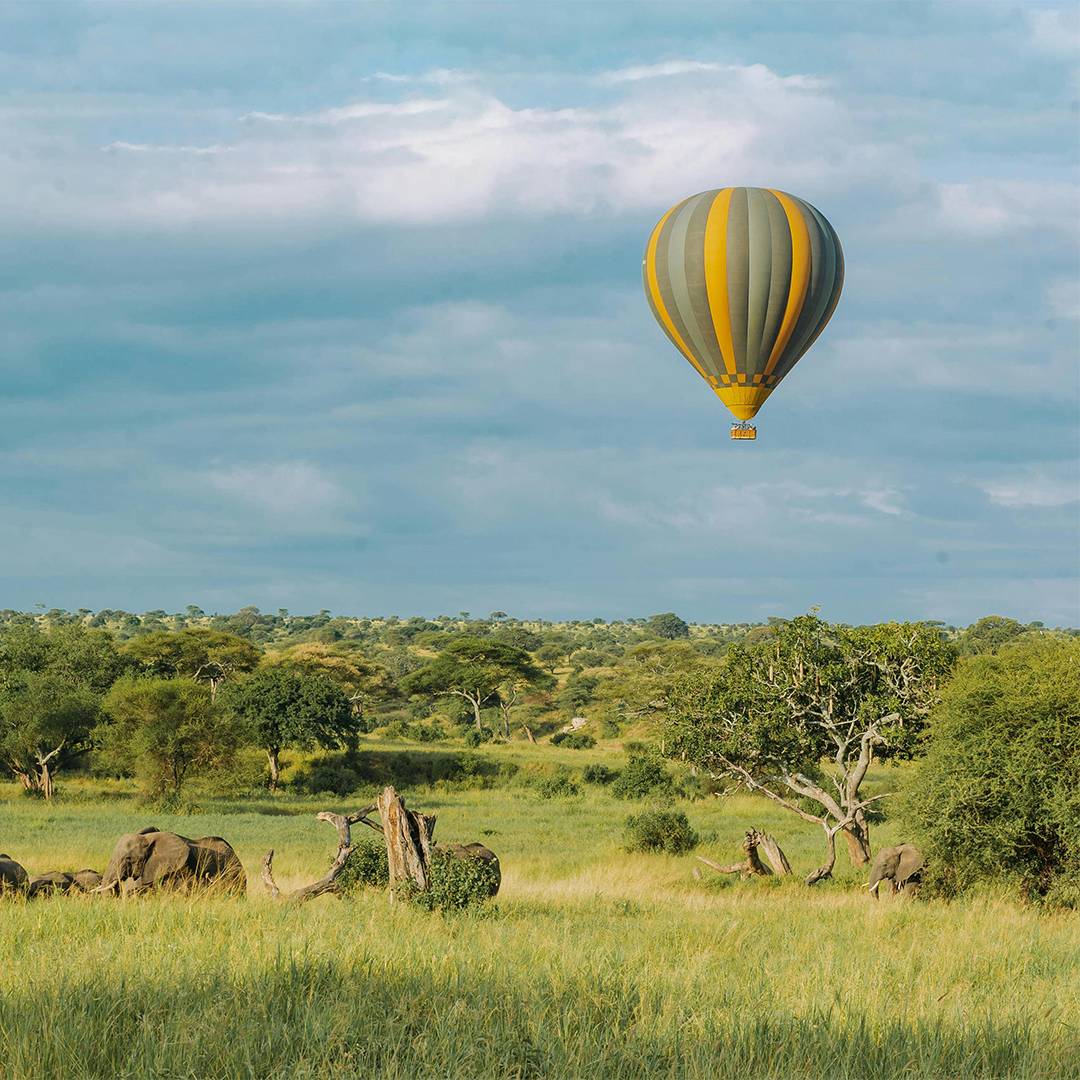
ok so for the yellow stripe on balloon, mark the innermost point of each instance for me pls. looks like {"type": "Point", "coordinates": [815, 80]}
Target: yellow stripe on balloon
{"type": "Point", "coordinates": [716, 275]}
{"type": "Point", "coordinates": [800, 277]}
{"type": "Point", "coordinates": [658, 300]}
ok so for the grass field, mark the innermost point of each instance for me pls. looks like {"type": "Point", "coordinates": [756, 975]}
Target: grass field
{"type": "Point", "coordinates": [593, 962]}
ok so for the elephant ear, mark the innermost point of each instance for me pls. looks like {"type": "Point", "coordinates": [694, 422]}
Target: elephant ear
{"type": "Point", "coordinates": [168, 856]}
{"type": "Point", "coordinates": [911, 862]}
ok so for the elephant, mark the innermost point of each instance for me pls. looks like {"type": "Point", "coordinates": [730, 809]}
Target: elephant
{"type": "Point", "coordinates": [151, 858]}
{"type": "Point", "coordinates": [59, 881]}
{"type": "Point", "coordinates": [477, 851]}
{"type": "Point", "coordinates": [12, 875]}
{"type": "Point", "coordinates": [901, 866]}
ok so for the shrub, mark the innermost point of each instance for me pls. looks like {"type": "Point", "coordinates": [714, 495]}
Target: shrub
{"type": "Point", "coordinates": [560, 785]}
{"type": "Point", "coordinates": [366, 866]}
{"type": "Point", "coordinates": [644, 775]}
{"type": "Point", "coordinates": [659, 830]}
{"type": "Point", "coordinates": [996, 798]}
{"type": "Point", "coordinates": [457, 883]}
{"type": "Point", "coordinates": [477, 736]}
{"type": "Point", "coordinates": [598, 774]}
{"type": "Point", "coordinates": [335, 774]}
{"type": "Point", "coordinates": [573, 740]}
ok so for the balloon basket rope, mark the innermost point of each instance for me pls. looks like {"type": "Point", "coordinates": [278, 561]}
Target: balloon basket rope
{"type": "Point", "coordinates": [743, 431]}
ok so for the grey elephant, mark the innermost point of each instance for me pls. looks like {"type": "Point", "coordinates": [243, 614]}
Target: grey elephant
{"type": "Point", "coordinates": [151, 858]}
{"type": "Point", "coordinates": [60, 881]}
{"type": "Point", "coordinates": [900, 866]}
{"type": "Point", "coordinates": [477, 851]}
{"type": "Point", "coordinates": [12, 875]}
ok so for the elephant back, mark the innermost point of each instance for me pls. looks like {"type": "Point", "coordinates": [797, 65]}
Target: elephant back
{"type": "Point", "coordinates": [480, 852]}
{"type": "Point", "coordinates": [13, 876]}
{"type": "Point", "coordinates": [55, 881]}
{"type": "Point", "coordinates": [216, 862]}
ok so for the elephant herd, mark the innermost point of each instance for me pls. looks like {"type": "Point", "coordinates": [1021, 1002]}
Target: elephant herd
{"type": "Point", "coordinates": [140, 861]}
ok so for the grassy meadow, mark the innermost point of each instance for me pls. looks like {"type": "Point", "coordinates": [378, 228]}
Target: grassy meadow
{"type": "Point", "coordinates": [592, 962]}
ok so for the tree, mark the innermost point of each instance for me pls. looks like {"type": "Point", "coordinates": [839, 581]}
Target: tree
{"type": "Point", "coordinates": [164, 731]}
{"type": "Point", "coordinates": [286, 708]}
{"type": "Point", "coordinates": [51, 685]}
{"type": "Point", "coordinates": [668, 625]}
{"type": "Point", "coordinates": [364, 681]}
{"type": "Point", "coordinates": [770, 712]}
{"type": "Point", "coordinates": [196, 652]}
{"type": "Point", "coordinates": [473, 669]}
{"type": "Point", "coordinates": [45, 724]}
{"type": "Point", "coordinates": [988, 634]}
{"type": "Point", "coordinates": [997, 796]}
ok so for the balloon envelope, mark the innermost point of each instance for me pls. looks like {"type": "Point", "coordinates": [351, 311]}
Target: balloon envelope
{"type": "Point", "coordinates": [743, 280]}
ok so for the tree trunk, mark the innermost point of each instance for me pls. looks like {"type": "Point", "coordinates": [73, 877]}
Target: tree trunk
{"type": "Point", "coordinates": [275, 772]}
{"type": "Point", "coordinates": [857, 838]}
{"type": "Point", "coordinates": [826, 869]}
{"type": "Point", "coordinates": [45, 781]}
{"type": "Point", "coordinates": [408, 837]}
{"type": "Point", "coordinates": [475, 702]}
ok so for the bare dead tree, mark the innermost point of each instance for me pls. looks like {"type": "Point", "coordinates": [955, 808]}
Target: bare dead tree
{"type": "Point", "coordinates": [752, 866]}
{"type": "Point", "coordinates": [328, 882]}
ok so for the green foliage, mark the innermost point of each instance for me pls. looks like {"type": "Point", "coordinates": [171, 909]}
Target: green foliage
{"type": "Point", "coordinates": [45, 723]}
{"type": "Point", "coordinates": [200, 653]}
{"type": "Point", "coordinates": [659, 830]}
{"type": "Point", "coordinates": [559, 785]}
{"type": "Point", "coordinates": [668, 625]}
{"type": "Point", "coordinates": [988, 634]}
{"type": "Point", "coordinates": [165, 730]}
{"type": "Point", "coordinates": [473, 668]}
{"type": "Point", "coordinates": [644, 775]}
{"type": "Point", "coordinates": [997, 797]}
{"type": "Point", "coordinates": [366, 865]}
{"type": "Point", "coordinates": [478, 736]}
{"type": "Point", "coordinates": [284, 707]}
{"type": "Point", "coordinates": [598, 774]}
{"type": "Point", "coordinates": [573, 740]}
{"type": "Point", "coordinates": [456, 883]}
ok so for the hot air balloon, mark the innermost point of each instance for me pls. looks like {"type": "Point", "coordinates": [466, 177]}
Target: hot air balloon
{"type": "Point", "coordinates": [743, 280]}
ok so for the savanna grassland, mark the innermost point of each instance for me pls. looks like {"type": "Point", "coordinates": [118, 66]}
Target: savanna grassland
{"type": "Point", "coordinates": [592, 961]}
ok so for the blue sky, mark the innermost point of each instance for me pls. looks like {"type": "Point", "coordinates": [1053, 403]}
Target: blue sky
{"type": "Point", "coordinates": [339, 306]}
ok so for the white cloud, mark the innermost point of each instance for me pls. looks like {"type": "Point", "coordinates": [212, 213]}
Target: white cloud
{"type": "Point", "coordinates": [1034, 487]}
{"type": "Point", "coordinates": [288, 488]}
{"type": "Point", "coordinates": [993, 207]}
{"type": "Point", "coordinates": [1055, 30]}
{"type": "Point", "coordinates": [467, 154]}
{"type": "Point", "coordinates": [657, 71]}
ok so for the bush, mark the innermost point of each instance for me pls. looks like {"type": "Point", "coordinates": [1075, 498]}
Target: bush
{"type": "Point", "coordinates": [598, 774]}
{"type": "Point", "coordinates": [996, 797]}
{"type": "Point", "coordinates": [560, 785]}
{"type": "Point", "coordinates": [335, 774]}
{"type": "Point", "coordinates": [477, 736]}
{"type": "Point", "coordinates": [573, 740]}
{"type": "Point", "coordinates": [457, 883]}
{"type": "Point", "coordinates": [366, 866]}
{"type": "Point", "coordinates": [644, 775]}
{"type": "Point", "coordinates": [659, 830]}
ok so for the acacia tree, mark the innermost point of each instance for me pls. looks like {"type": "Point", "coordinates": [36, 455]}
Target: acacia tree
{"type": "Point", "coordinates": [283, 708]}
{"type": "Point", "coordinates": [800, 717]}
{"type": "Point", "coordinates": [45, 724]}
{"type": "Point", "coordinates": [474, 669]}
{"type": "Point", "coordinates": [197, 652]}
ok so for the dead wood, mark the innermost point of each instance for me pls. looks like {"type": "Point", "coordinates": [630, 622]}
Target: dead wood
{"type": "Point", "coordinates": [752, 866]}
{"type": "Point", "coordinates": [328, 882]}
{"type": "Point", "coordinates": [408, 841]}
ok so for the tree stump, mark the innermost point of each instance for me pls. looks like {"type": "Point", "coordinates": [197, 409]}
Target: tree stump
{"type": "Point", "coordinates": [408, 837]}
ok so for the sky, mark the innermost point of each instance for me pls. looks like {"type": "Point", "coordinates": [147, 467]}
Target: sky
{"type": "Point", "coordinates": [339, 306]}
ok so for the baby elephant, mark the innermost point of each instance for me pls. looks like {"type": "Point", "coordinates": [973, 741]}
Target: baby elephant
{"type": "Point", "coordinates": [900, 866]}
{"type": "Point", "coordinates": [155, 859]}
{"type": "Point", "coordinates": [59, 881]}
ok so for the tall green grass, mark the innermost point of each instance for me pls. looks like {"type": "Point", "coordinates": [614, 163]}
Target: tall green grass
{"type": "Point", "coordinates": [593, 962]}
